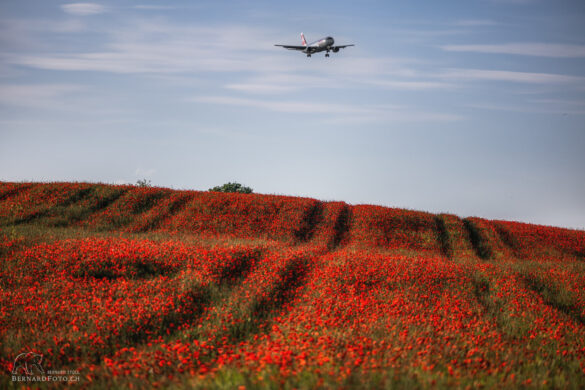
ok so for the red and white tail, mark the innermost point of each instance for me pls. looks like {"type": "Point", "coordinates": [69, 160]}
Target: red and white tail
{"type": "Point", "coordinates": [303, 40]}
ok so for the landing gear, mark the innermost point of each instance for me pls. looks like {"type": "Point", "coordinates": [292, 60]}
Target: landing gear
{"type": "Point", "coordinates": [327, 54]}
{"type": "Point", "coordinates": [308, 55]}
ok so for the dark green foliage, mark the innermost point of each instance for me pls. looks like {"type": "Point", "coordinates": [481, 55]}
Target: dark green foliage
{"type": "Point", "coordinates": [143, 183]}
{"type": "Point", "coordinates": [232, 187]}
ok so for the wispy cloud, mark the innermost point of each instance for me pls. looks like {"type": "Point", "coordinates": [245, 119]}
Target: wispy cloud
{"type": "Point", "coordinates": [554, 50]}
{"type": "Point", "coordinates": [334, 112]}
{"type": "Point", "coordinates": [261, 88]}
{"type": "Point", "coordinates": [515, 1]}
{"type": "Point", "coordinates": [75, 100]}
{"type": "Point", "coordinates": [154, 7]}
{"type": "Point", "coordinates": [37, 95]}
{"type": "Point", "coordinates": [476, 23]}
{"type": "Point", "coordinates": [510, 76]}
{"type": "Point", "coordinates": [285, 106]}
{"type": "Point", "coordinates": [145, 46]}
{"type": "Point", "coordinates": [268, 87]}
{"type": "Point", "coordinates": [561, 102]}
{"type": "Point", "coordinates": [530, 108]}
{"type": "Point", "coordinates": [413, 85]}
{"type": "Point", "coordinates": [280, 82]}
{"type": "Point", "coordinates": [83, 9]}
{"type": "Point", "coordinates": [22, 35]}
{"type": "Point", "coordinates": [428, 34]}
{"type": "Point", "coordinates": [158, 48]}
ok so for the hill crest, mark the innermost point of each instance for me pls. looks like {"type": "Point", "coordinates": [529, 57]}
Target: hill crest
{"type": "Point", "coordinates": [293, 220]}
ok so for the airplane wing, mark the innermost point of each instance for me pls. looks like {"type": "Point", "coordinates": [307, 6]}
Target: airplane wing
{"type": "Point", "coordinates": [340, 47]}
{"type": "Point", "coordinates": [293, 47]}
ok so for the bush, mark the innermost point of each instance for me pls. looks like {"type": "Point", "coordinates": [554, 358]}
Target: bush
{"type": "Point", "coordinates": [232, 187]}
{"type": "Point", "coordinates": [143, 183]}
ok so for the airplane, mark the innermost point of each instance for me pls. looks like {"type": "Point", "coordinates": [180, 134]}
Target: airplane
{"type": "Point", "coordinates": [317, 46]}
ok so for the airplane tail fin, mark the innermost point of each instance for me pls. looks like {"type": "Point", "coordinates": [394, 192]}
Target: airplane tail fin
{"type": "Point", "coordinates": [303, 40]}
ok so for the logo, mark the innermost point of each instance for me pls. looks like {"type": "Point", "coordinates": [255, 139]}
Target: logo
{"type": "Point", "coordinates": [27, 362]}
{"type": "Point", "coordinates": [27, 368]}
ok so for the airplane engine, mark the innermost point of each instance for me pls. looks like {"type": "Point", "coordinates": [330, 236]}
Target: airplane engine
{"type": "Point", "coordinates": [335, 50]}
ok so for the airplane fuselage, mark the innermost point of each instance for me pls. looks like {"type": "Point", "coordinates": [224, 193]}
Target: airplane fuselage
{"type": "Point", "coordinates": [320, 45]}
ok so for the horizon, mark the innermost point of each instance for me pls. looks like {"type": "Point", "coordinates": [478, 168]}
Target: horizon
{"type": "Point", "coordinates": [472, 109]}
{"type": "Point", "coordinates": [147, 184]}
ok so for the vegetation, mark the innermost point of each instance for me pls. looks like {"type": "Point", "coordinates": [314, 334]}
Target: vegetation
{"type": "Point", "coordinates": [143, 183]}
{"type": "Point", "coordinates": [138, 286]}
{"type": "Point", "coordinates": [232, 188]}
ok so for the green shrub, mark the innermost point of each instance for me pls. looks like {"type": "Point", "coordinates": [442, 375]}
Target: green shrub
{"type": "Point", "coordinates": [143, 183]}
{"type": "Point", "coordinates": [232, 187]}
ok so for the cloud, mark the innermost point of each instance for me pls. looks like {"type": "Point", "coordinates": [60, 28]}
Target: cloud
{"type": "Point", "coordinates": [152, 46]}
{"type": "Point", "coordinates": [278, 82]}
{"type": "Point", "coordinates": [21, 35]}
{"type": "Point", "coordinates": [63, 98]}
{"type": "Point", "coordinates": [411, 85]}
{"type": "Point", "coordinates": [476, 23]}
{"type": "Point", "coordinates": [515, 1]}
{"type": "Point", "coordinates": [561, 102]}
{"type": "Point", "coordinates": [518, 77]}
{"type": "Point", "coordinates": [36, 95]}
{"type": "Point", "coordinates": [154, 7]}
{"type": "Point", "coordinates": [155, 47]}
{"type": "Point", "coordinates": [553, 50]}
{"type": "Point", "coordinates": [67, 26]}
{"type": "Point", "coordinates": [13, 28]}
{"type": "Point", "coordinates": [529, 109]}
{"type": "Point", "coordinates": [345, 73]}
{"type": "Point", "coordinates": [261, 88]}
{"type": "Point", "coordinates": [83, 9]}
{"type": "Point", "coordinates": [335, 112]}
{"type": "Point", "coordinates": [285, 106]}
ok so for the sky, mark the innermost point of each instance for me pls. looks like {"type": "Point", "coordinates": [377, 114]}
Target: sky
{"type": "Point", "coordinates": [469, 107]}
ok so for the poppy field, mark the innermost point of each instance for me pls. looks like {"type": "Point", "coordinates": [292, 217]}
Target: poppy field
{"type": "Point", "coordinates": [139, 287]}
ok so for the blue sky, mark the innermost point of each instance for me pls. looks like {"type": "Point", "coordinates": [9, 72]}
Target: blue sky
{"type": "Point", "coordinates": [474, 107]}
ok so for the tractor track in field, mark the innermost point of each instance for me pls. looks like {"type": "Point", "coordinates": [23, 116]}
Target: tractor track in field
{"type": "Point", "coordinates": [479, 243]}
{"type": "Point", "coordinates": [341, 229]}
{"type": "Point", "coordinates": [174, 208]}
{"type": "Point", "coordinates": [288, 280]}
{"type": "Point", "coordinates": [311, 220]}
{"type": "Point", "coordinates": [552, 296]}
{"type": "Point", "coordinates": [443, 237]}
